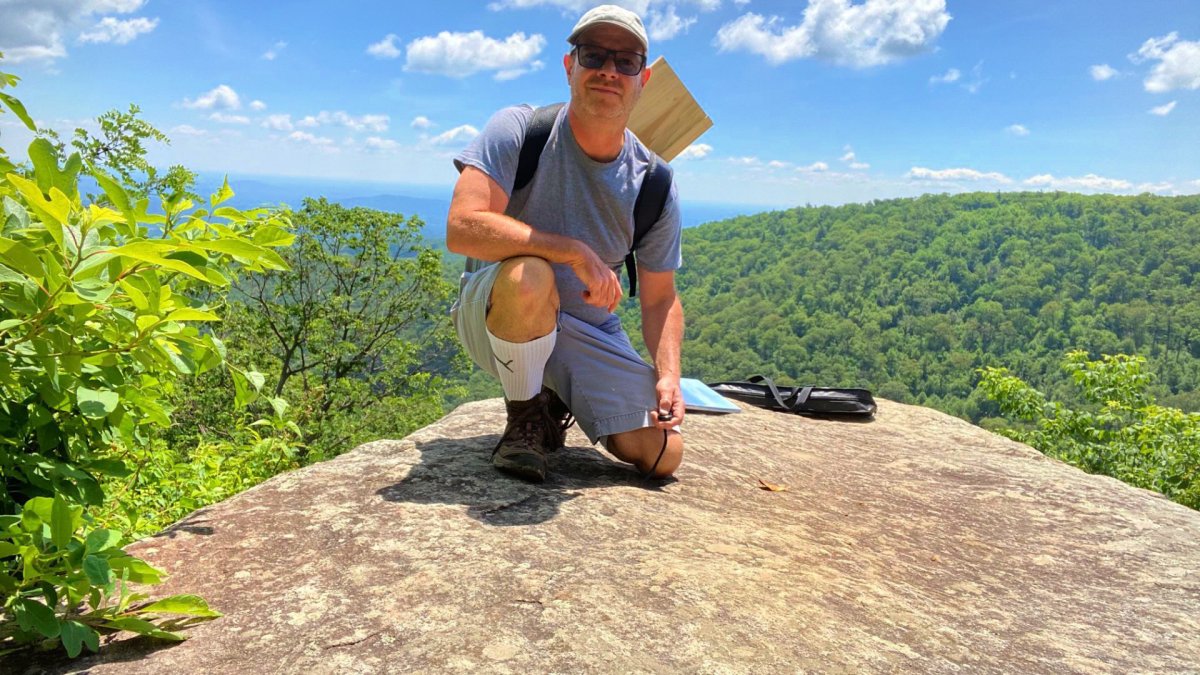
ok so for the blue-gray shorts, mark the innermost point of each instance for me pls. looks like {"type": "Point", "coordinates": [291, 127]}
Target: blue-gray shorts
{"type": "Point", "coordinates": [594, 369]}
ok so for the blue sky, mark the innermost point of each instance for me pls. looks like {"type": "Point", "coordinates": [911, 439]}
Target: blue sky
{"type": "Point", "coordinates": [821, 102]}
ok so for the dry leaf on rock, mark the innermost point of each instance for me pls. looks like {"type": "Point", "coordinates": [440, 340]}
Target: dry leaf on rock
{"type": "Point", "coordinates": [772, 487]}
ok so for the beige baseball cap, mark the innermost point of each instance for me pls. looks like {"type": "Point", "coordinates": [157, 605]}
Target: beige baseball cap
{"type": "Point", "coordinates": [612, 14]}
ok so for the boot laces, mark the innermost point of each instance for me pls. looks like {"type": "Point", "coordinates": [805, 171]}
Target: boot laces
{"type": "Point", "coordinates": [530, 428]}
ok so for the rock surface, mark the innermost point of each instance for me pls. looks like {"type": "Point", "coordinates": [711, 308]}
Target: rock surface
{"type": "Point", "coordinates": [914, 543]}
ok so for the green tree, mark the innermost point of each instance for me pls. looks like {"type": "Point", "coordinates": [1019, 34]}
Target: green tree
{"type": "Point", "coordinates": [355, 333]}
{"type": "Point", "coordinates": [120, 149]}
{"type": "Point", "coordinates": [1123, 433]}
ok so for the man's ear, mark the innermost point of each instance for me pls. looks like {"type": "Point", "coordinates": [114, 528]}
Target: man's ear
{"type": "Point", "coordinates": [567, 64]}
{"type": "Point", "coordinates": [645, 75]}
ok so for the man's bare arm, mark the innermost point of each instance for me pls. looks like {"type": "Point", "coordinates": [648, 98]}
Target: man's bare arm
{"type": "Point", "coordinates": [662, 328]}
{"type": "Point", "coordinates": [477, 227]}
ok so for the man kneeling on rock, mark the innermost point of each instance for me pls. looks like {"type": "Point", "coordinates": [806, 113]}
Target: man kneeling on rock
{"type": "Point", "coordinates": [540, 316]}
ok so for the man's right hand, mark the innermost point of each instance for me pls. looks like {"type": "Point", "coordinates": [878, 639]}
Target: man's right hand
{"type": "Point", "coordinates": [603, 286]}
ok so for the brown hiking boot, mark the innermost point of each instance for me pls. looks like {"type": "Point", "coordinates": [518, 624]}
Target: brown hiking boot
{"type": "Point", "coordinates": [561, 417]}
{"type": "Point", "coordinates": [527, 438]}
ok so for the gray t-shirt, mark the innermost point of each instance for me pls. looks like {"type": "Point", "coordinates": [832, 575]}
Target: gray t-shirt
{"type": "Point", "coordinates": [578, 197]}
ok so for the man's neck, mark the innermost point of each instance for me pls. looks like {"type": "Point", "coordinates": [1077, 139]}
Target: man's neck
{"type": "Point", "coordinates": [600, 139]}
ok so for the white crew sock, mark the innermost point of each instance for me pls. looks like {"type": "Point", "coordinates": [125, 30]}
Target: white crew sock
{"type": "Point", "coordinates": [521, 364]}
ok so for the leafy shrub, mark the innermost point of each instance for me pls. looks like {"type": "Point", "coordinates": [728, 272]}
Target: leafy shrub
{"type": "Point", "coordinates": [1124, 434]}
{"type": "Point", "coordinates": [100, 316]}
{"type": "Point", "coordinates": [59, 583]}
{"type": "Point", "coordinates": [167, 484]}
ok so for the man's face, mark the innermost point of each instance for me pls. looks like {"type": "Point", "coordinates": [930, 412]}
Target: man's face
{"type": "Point", "coordinates": [604, 92]}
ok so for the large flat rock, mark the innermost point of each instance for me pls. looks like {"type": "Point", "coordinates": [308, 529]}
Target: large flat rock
{"type": "Point", "coordinates": [915, 543]}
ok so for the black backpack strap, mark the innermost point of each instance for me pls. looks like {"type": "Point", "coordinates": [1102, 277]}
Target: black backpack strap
{"type": "Point", "coordinates": [536, 135]}
{"type": "Point", "coordinates": [651, 199]}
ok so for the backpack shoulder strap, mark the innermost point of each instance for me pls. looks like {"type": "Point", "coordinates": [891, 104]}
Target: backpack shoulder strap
{"type": "Point", "coordinates": [651, 199]}
{"type": "Point", "coordinates": [536, 135]}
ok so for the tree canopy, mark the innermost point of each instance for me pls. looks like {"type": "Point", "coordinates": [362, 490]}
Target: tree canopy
{"type": "Point", "coordinates": [909, 297]}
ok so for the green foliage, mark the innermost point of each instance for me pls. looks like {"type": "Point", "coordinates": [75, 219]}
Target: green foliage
{"type": "Point", "coordinates": [61, 585]}
{"type": "Point", "coordinates": [168, 483]}
{"type": "Point", "coordinates": [100, 318]}
{"type": "Point", "coordinates": [911, 296]}
{"type": "Point", "coordinates": [96, 322]}
{"type": "Point", "coordinates": [1122, 434]}
{"type": "Point", "coordinates": [120, 149]}
{"type": "Point", "coordinates": [355, 333]}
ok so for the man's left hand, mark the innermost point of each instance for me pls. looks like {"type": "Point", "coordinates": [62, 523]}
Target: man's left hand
{"type": "Point", "coordinates": [670, 401]}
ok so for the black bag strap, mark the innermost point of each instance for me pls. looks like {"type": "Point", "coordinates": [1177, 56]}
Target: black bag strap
{"type": "Point", "coordinates": [651, 199]}
{"type": "Point", "coordinates": [798, 398]}
{"type": "Point", "coordinates": [536, 135]}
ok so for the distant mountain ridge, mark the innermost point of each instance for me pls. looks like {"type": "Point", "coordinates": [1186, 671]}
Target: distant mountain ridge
{"type": "Point", "coordinates": [431, 203]}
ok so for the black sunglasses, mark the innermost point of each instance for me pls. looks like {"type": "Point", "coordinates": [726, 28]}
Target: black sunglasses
{"type": "Point", "coordinates": [594, 58]}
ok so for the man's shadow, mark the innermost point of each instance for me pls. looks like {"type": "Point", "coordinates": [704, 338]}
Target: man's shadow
{"type": "Point", "coordinates": [459, 471]}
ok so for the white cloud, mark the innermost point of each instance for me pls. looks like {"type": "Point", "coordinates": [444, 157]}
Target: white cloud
{"type": "Point", "coordinates": [305, 137]}
{"type": "Point", "coordinates": [1162, 110]}
{"type": "Point", "coordinates": [922, 173]}
{"type": "Point", "coordinates": [278, 122]}
{"type": "Point", "coordinates": [257, 105]}
{"type": "Point", "coordinates": [187, 130]}
{"type": "Point", "coordinates": [668, 24]}
{"type": "Point", "coordinates": [514, 73]}
{"type": "Point", "coordinates": [1102, 72]}
{"type": "Point", "coordinates": [776, 164]}
{"type": "Point", "coordinates": [225, 118]}
{"type": "Point", "coordinates": [123, 32]}
{"type": "Point", "coordinates": [376, 123]}
{"type": "Point", "coordinates": [951, 75]}
{"type": "Point", "coordinates": [1090, 182]}
{"type": "Point", "coordinates": [851, 160]}
{"type": "Point", "coordinates": [385, 48]}
{"type": "Point", "coordinates": [977, 79]}
{"type": "Point", "coordinates": [36, 30]}
{"type": "Point", "coordinates": [421, 122]}
{"type": "Point", "coordinates": [464, 54]}
{"type": "Point", "coordinates": [1161, 188]}
{"type": "Point", "coordinates": [1017, 129]}
{"type": "Point", "coordinates": [456, 135]}
{"type": "Point", "coordinates": [221, 97]}
{"type": "Point", "coordinates": [872, 33]}
{"type": "Point", "coordinates": [745, 161]}
{"type": "Point", "coordinates": [273, 53]}
{"type": "Point", "coordinates": [815, 167]}
{"type": "Point", "coordinates": [114, 6]}
{"type": "Point", "coordinates": [695, 151]}
{"type": "Point", "coordinates": [377, 143]}
{"type": "Point", "coordinates": [1178, 64]}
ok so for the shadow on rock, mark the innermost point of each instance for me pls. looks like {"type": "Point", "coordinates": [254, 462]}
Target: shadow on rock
{"type": "Point", "coordinates": [112, 650]}
{"type": "Point", "coordinates": [459, 471]}
{"type": "Point", "coordinates": [189, 525]}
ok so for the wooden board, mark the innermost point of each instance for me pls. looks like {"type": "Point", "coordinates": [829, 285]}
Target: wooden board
{"type": "Point", "coordinates": [667, 118]}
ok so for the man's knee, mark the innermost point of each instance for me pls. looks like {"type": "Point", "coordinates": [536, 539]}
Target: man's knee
{"type": "Point", "coordinates": [672, 456]}
{"type": "Point", "coordinates": [524, 282]}
{"type": "Point", "coordinates": [643, 448]}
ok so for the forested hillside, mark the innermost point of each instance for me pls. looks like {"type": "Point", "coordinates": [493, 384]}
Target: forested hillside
{"type": "Point", "coordinates": [909, 297]}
